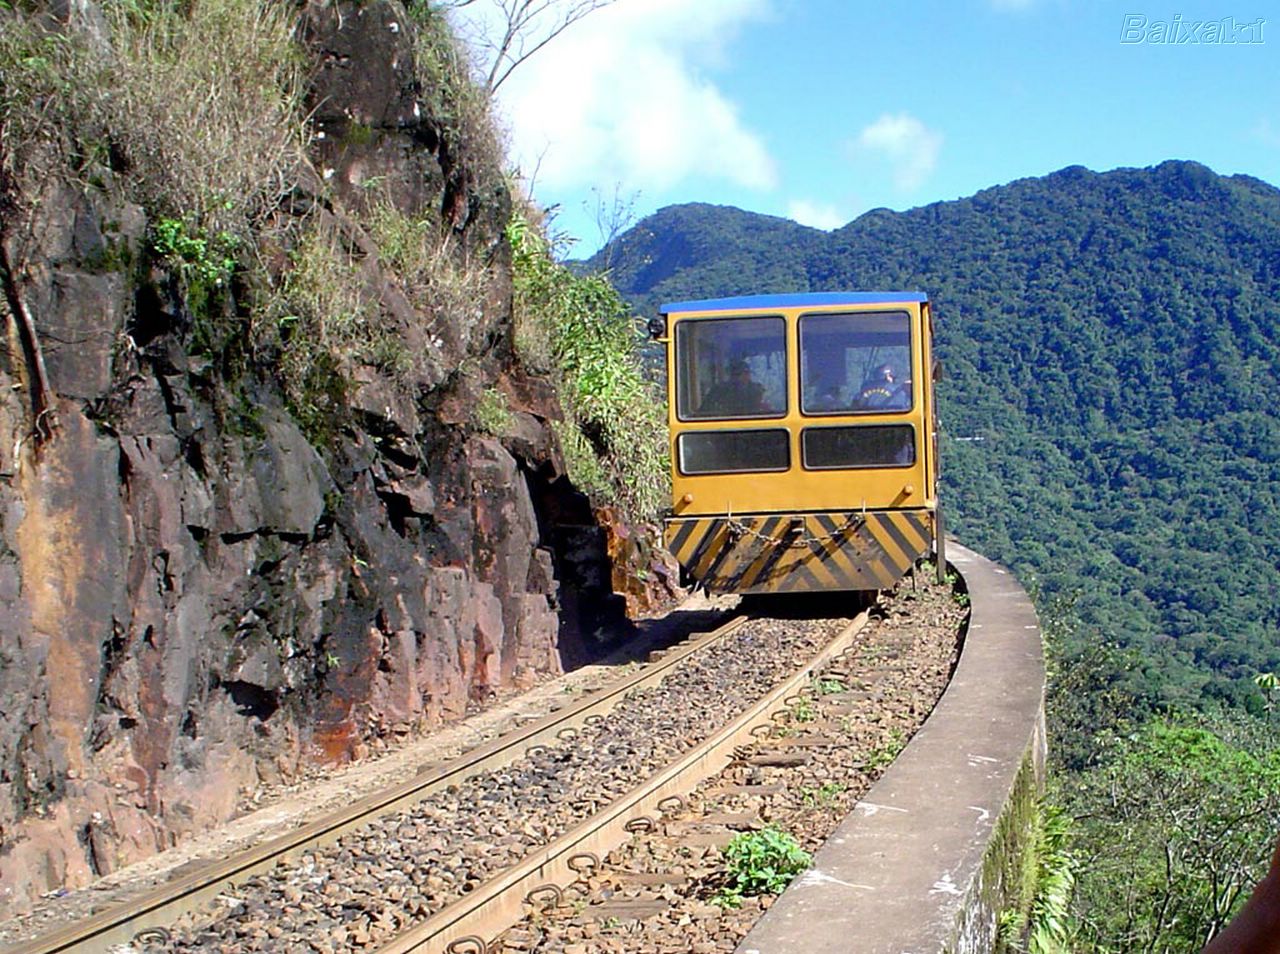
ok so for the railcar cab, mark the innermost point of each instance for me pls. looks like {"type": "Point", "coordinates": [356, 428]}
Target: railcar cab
{"type": "Point", "coordinates": [803, 439]}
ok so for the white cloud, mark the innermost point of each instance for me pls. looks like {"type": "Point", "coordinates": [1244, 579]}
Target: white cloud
{"type": "Point", "coordinates": [1265, 132]}
{"type": "Point", "coordinates": [816, 214]}
{"type": "Point", "coordinates": [906, 143]}
{"type": "Point", "coordinates": [621, 96]}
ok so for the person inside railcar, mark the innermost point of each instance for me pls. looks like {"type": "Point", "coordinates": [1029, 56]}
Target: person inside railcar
{"type": "Point", "coordinates": [737, 395]}
{"type": "Point", "coordinates": [881, 391]}
{"type": "Point", "coordinates": [827, 396]}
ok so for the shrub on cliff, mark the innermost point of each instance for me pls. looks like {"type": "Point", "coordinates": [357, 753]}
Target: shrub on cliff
{"type": "Point", "coordinates": [1173, 830]}
{"type": "Point", "coordinates": [579, 329]}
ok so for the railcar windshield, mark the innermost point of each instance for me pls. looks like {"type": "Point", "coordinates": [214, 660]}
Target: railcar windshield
{"type": "Point", "coordinates": [730, 368]}
{"type": "Point", "coordinates": [858, 363]}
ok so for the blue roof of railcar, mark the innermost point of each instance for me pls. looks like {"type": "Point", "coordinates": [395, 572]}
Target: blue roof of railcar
{"type": "Point", "coordinates": [805, 300]}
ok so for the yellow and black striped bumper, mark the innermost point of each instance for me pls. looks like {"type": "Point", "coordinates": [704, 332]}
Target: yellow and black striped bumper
{"type": "Point", "coordinates": [786, 553]}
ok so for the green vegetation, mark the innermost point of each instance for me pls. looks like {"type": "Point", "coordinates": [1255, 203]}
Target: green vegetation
{"type": "Point", "coordinates": [882, 755]}
{"type": "Point", "coordinates": [579, 329]}
{"type": "Point", "coordinates": [1109, 433]}
{"type": "Point", "coordinates": [1174, 829]}
{"type": "Point", "coordinates": [1175, 814]}
{"type": "Point", "coordinates": [802, 710]}
{"type": "Point", "coordinates": [701, 251]}
{"type": "Point", "coordinates": [196, 257]}
{"type": "Point", "coordinates": [1108, 429]}
{"type": "Point", "coordinates": [1043, 921]}
{"type": "Point", "coordinates": [760, 862]}
{"type": "Point", "coordinates": [1268, 683]}
{"type": "Point", "coordinates": [1096, 693]}
{"type": "Point", "coordinates": [204, 265]}
{"type": "Point", "coordinates": [493, 415]}
{"type": "Point", "coordinates": [825, 794]}
{"type": "Point", "coordinates": [584, 466]}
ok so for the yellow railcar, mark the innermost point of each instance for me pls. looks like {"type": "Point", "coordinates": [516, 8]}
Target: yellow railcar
{"type": "Point", "coordinates": [803, 440]}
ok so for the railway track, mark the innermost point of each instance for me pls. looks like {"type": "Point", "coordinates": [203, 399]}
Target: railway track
{"type": "Point", "coordinates": [450, 859]}
{"type": "Point", "coordinates": [798, 775]}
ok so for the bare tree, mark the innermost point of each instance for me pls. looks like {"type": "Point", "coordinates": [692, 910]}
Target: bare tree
{"type": "Point", "coordinates": [613, 215]}
{"type": "Point", "coordinates": [524, 27]}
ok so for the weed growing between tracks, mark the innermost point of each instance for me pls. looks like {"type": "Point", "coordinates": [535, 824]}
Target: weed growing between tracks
{"type": "Point", "coordinates": [760, 862]}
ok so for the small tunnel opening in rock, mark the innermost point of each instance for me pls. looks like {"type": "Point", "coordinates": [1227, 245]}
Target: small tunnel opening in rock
{"type": "Point", "coordinates": [252, 701]}
{"type": "Point", "coordinates": [592, 616]}
{"type": "Point", "coordinates": [150, 319]}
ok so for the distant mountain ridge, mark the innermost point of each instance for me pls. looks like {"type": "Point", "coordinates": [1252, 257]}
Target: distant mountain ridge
{"type": "Point", "coordinates": [738, 248]}
{"type": "Point", "coordinates": [1112, 346]}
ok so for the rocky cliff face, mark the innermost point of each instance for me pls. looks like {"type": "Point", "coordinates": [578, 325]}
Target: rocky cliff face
{"type": "Point", "coordinates": [195, 596]}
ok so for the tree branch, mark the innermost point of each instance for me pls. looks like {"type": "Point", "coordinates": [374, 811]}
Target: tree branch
{"type": "Point", "coordinates": [44, 421]}
{"type": "Point", "coordinates": [520, 36]}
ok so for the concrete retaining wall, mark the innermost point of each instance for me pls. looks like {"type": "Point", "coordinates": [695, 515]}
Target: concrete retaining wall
{"type": "Point", "coordinates": [933, 853]}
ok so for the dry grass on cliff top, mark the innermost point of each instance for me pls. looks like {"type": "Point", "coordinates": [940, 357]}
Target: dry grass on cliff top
{"type": "Point", "coordinates": [454, 94]}
{"type": "Point", "coordinates": [323, 316]}
{"type": "Point", "coordinates": [433, 267]}
{"type": "Point", "coordinates": [208, 106]}
{"type": "Point", "coordinates": [197, 105]}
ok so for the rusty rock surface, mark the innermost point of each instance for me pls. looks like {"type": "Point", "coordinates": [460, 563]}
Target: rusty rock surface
{"type": "Point", "coordinates": [195, 598]}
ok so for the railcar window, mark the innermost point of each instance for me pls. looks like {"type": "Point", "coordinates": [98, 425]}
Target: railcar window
{"type": "Point", "coordinates": [871, 445]}
{"type": "Point", "coordinates": [857, 363]}
{"type": "Point", "coordinates": [727, 452]}
{"type": "Point", "coordinates": [731, 368]}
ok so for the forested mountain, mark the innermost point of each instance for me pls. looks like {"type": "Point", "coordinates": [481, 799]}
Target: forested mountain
{"type": "Point", "coordinates": [1112, 345]}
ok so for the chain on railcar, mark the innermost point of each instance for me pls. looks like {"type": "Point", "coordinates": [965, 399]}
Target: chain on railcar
{"type": "Point", "coordinates": [803, 440]}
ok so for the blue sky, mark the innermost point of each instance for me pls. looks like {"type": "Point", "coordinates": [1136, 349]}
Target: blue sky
{"type": "Point", "coordinates": [818, 110]}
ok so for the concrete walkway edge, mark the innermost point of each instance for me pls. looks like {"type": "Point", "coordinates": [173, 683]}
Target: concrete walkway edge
{"type": "Point", "coordinates": [929, 858]}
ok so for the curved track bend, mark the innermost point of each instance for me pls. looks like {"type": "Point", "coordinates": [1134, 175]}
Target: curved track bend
{"type": "Point", "coordinates": [485, 902]}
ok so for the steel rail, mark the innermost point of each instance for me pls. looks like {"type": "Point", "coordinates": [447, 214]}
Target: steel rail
{"type": "Point", "coordinates": [188, 891]}
{"type": "Point", "coordinates": [465, 925]}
